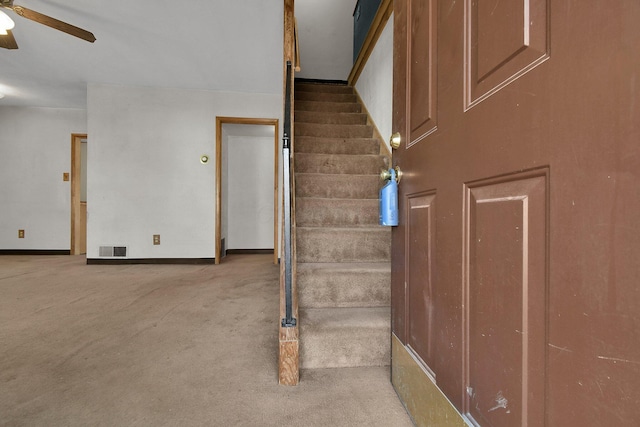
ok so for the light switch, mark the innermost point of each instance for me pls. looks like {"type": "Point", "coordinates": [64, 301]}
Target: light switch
{"type": "Point", "coordinates": [65, 176]}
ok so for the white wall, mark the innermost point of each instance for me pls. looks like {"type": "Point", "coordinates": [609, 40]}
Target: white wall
{"type": "Point", "coordinates": [83, 171]}
{"type": "Point", "coordinates": [250, 193]}
{"type": "Point", "coordinates": [375, 84]}
{"type": "Point", "coordinates": [144, 173]}
{"type": "Point", "coordinates": [35, 150]}
{"type": "Point", "coordinates": [224, 188]}
{"type": "Point", "coordinates": [325, 32]}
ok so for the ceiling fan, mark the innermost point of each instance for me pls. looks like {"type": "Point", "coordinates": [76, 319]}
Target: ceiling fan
{"type": "Point", "coordinates": [7, 40]}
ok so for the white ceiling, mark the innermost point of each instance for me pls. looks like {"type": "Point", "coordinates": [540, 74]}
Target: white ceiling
{"type": "Point", "coordinates": [224, 45]}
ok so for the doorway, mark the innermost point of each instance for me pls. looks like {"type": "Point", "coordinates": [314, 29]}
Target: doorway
{"type": "Point", "coordinates": [244, 200]}
{"type": "Point", "coordinates": [78, 194]}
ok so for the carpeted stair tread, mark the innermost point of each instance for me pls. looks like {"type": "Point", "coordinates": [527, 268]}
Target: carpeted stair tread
{"type": "Point", "coordinates": [318, 212]}
{"type": "Point", "coordinates": [322, 87]}
{"type": "Point", "coordinates": [323, 285]}
{"type": "Point", "coordinates": [340, 244]}
{"type": "Point", "coordinates": [333, 186]}
{"type": "Point", "coordinates": [345, 337]}
{"type": "Point", "coordinates": [333, 131]}
{"type": "Point", "coordinates": [312, 144]}
{"type": "Point", "coordinates": [336, 107]}
{"type": "Point", "coordinates": [339, 163]}
{"type": "Point", "coordinates": [330, 118]}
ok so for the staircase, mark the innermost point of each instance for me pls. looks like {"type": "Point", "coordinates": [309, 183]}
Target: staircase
{"type": "Point", "coordinates": [343, 255]}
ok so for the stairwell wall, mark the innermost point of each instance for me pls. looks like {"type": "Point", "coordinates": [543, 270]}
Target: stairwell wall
{"type": "Point", "coordinates": [375, 84]}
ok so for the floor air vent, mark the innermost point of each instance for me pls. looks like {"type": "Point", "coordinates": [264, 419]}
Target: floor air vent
{"type": "Point", "coordinates": [113, 251]}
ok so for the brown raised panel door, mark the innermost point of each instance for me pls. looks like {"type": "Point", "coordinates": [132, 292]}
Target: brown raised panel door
{"type": "Point", "coordinates": [516, 264]}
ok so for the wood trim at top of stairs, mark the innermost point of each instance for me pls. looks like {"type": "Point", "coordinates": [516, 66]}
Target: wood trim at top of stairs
{"type": "Point", "coordinates": [378, 24]}
{"type": "Point", "coordinates": [321, 81]}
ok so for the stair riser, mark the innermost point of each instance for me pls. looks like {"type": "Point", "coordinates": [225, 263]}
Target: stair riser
{"type": "Point", "coordinates": [336, 245]}
{"type": "Point", "coordinates": [310, 144]}
{"type": "Point", "coordinates": [324, 96]}
{"type": "Point", "coordinates": [328, 107]}
{"type": "Point", "coordinates": [330, 118]}
{"type": "Point", "coordinates": [327, 88]}
{"type": "Point", "coordinates": [362, 348]}
{"type": "Point", "coordinates": [333, 338]}
{"type": "Point", "coordinates": [336, 212]}
{"type": "Point", "coordinates": [338, 164]}
{"type": "Point", "coordinates": [344, 289]}
{"type": "Point", "coordinates": [332, 186]}
{"type": "Point", "coordinates": [333, 131]}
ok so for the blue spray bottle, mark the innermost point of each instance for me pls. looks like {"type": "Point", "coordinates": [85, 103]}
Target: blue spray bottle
{"type": "Point", "coordinates": [389, 201]}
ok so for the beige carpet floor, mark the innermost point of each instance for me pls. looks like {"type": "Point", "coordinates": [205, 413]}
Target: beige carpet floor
{"type": "Point", "coordinates": [159, 345]}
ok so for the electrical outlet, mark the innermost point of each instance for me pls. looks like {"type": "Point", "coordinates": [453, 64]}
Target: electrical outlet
{"type": "Point", "coordinates": [156, 239]}
{"type": "Point", "coordinates": [20, 234]}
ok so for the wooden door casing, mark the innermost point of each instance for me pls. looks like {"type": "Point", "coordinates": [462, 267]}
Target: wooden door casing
{"type": "Point", "coordinates": [78, 244]}
{"type": "Point", "coordinates": [514, 265]}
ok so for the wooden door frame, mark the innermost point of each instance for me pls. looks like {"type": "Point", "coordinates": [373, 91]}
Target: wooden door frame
{"type": "Point", "coordinates": [244, 121]}
{"type": "Point", "coordinates": [76, 179]}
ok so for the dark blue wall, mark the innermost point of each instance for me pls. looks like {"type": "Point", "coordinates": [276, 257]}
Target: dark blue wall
{"type": "Point", "coordinates": [363, 16]}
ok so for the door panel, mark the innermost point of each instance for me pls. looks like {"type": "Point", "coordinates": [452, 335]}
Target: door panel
{"type": "Point", "coordinates": [519, 292]}
{"type": "Point", "coordinates": [505, 250]}
{"type": "Point", "coordinates": [423, 76]}
{"type": "Point", "coordinates": [420, 238]}
{"type": "Point", "coordinates": [505, 39]}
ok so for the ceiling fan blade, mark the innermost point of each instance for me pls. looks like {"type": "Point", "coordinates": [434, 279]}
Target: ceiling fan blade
{"type": "Point", "coordinates": [7, 41]}
{"type": "Point", "coordinates": [54, 23]}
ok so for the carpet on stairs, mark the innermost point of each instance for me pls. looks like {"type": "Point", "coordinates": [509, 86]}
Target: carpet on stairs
{"type": "Point", "coordinates": [343, 254]}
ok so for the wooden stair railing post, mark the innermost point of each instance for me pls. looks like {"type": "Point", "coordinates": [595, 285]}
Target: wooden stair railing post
{"type": "Point", "coordinates": [288, 360]}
